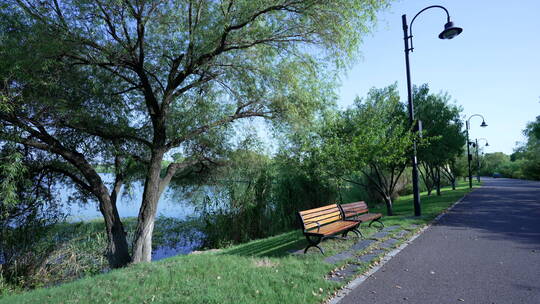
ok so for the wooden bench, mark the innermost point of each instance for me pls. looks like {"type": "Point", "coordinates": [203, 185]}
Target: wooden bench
{"type": "Point", "coordinates": [324, 222]}
{"type": "Point", "coordinates": [358, 211]}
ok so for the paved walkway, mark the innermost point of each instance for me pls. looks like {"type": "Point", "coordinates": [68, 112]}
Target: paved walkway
{"type": "Point", "coordinates": [486, 250]}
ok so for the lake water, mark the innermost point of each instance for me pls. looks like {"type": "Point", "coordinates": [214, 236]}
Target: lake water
{"type": "Point", "coordinates": [171, 204]}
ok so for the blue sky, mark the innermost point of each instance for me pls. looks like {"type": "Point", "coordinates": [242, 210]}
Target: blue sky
{"type": "Point", "coordinates": [492, 68]}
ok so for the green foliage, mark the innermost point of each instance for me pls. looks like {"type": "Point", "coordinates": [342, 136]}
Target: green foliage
{"type": "Point", "coordinates": [12, 171]}
{"type": "Point", "coordinates": [26, 211]}
{"type": "Point", "coordinates": [531, 155]}
{"type": "Point", "coordinates": [442, 145]}
{"type": "Point", "coordinates": [493, 163]}
{"type": "Point", "coordinates": [236, 209]}
{"type": "Point", "coordinates": [523, 163]}
{"type": "Point", "coordinates": [254, 196]}
{"type": "Point", "coordinates": [372, 140]}
{"type": "Point", "coordinates": [441, 125]}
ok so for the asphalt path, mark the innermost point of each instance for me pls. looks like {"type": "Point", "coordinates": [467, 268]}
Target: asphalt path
{"type": "Point", "coordinates": [486, 250]}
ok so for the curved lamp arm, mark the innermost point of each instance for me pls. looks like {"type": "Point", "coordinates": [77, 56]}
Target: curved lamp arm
{"type": "Point", "coordinates": [487, 143]}
{"type": "Point", "coordinates": [433, 6]}
{"type": "Point", "coordinates": [412, 21]}
{"type": "Point", "coordinates": [483, 121]}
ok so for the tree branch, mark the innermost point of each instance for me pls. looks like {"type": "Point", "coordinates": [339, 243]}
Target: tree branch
{"type": "Point", "coordinates": [72, 176]}
{"type": "Point", "coordinates": [238, 115]}
{"type": "Point", "coordinates": [171, 171]}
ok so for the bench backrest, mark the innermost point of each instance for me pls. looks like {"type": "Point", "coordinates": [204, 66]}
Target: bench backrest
{"type": "Point", "coordinates": [352, 209]}
{"type": "Point", "coordinates": [321, 216]}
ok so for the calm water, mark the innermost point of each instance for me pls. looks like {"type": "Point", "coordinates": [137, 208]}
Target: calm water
{"type": "Point", "coordinates": [171, 204]}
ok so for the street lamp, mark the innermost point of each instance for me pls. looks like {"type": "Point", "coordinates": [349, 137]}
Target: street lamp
{"type": "Point", "coordinates": [469, 155]}
{"type": "Point", "coordinates": [450, 31]}
{"type": "Point", "coordinates": [478, 158]}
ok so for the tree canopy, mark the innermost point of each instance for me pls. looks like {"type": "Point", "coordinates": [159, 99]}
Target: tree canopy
{"type": "Point", "coordinates": [127, 83]}
{"type": "Point", "coordinates": [442, 131]}
{"type": "Point", "coordinates": [371, 139]}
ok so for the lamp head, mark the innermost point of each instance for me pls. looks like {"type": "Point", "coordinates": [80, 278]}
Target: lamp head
{"type": "Point", "coordinates": [450, 31]}
{"type": "Point", "coordinates": [484, 124]}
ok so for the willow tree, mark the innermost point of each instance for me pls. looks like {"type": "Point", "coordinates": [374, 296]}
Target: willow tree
{"type": "Point", "coordinates": [170, 76]}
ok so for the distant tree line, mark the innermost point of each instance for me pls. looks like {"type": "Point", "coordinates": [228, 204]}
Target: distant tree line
{"type": "Point", "coordinates": [523, 163]}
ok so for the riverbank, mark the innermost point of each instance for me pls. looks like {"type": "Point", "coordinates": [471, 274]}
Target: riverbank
{"type": "Point", "coordinates": [73, 250]}
{"type": "Point", "coordinates": [260, 271]}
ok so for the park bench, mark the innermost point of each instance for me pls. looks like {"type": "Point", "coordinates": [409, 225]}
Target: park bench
{"type": "Point", "coordinates": [325, 222]}
{"type": "Point", "coordinates": [359, 212]}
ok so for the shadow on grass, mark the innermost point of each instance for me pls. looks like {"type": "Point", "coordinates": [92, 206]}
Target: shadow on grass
{"type": "Point", "coordinates": [277, 246]}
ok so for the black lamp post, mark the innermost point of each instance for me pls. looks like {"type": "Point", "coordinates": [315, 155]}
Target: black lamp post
{"type": "Point", "coordinates": [469, 155]}
{"type": "Point", "coordinates": [478, 158]}
{"type": "Point", "coordinates": [449, 32]}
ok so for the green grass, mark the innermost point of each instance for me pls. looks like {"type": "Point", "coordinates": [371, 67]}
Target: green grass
{"type": "Point", "coordinates": [261, 271]}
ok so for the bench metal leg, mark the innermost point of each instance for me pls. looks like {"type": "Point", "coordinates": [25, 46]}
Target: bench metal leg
{"type": "Point", "coordinates": [378, 221]}
{"type": "Point", "coordinates": [358, 233]}
{"type": "Point", "coordinates": [313, 243]}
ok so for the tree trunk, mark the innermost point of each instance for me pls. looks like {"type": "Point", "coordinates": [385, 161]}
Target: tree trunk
{"type": "Point", "coordinates": [117, 252]}
{"type": "Point", "coordinates": [117, 247]}
{"type": "Point", "coordinates": [142, 242]}
{"type": "Point", "coordinates": [438, 181]}
{"type": "Point", "coordinates": [389, 205]}
{"type": "Point", "coordinates": [453, 181]}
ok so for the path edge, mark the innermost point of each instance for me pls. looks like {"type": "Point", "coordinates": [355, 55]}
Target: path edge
{"type": "Point", "coordinates": [345, 290]}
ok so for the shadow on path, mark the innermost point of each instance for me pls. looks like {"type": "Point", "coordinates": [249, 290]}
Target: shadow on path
{"type": "Point", "coordinates": [507, 209]}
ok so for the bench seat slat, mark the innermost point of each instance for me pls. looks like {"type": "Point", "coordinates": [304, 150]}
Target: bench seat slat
{"type": "Point", "coordinates": [332, 228]}
{"type": "Point", "coordinates": [367, 217]}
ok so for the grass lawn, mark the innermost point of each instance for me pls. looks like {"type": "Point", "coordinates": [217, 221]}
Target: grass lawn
{"type": "Point", "coordinates": [261, 271]}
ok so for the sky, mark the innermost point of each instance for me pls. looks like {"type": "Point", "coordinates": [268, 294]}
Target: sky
{"type": "Point", "coordinates": [492, 68]}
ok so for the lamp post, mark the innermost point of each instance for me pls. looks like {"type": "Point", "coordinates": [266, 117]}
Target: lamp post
{"type": "Point", "coordinates": [449, 32]}
{"type": "Point", "coordinates": [469, 155]}
{"type": "Point", "coordinates": [478, 158]}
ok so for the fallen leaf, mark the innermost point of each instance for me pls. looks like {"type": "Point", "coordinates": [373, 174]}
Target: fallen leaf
{"type": "Point", "coordinates": [397, 286]}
